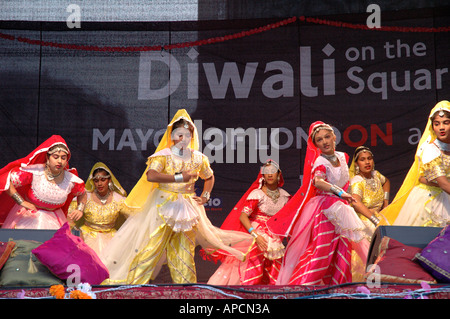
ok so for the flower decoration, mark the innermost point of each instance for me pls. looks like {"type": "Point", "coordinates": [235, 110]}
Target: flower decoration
{"type": "Point", "coordinates": [57, 291]}
{"type": "Point", "coordinates": [77, 294]}
{"type": "Point", "coordinates": [82, 291]}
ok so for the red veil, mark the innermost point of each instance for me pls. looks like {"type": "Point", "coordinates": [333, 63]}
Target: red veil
{"type": "Point", "coordinates": [38, 156]}
{"type": "Point", "coordinates": [232, 221]}
{"type": "Point", "coordinates": [281, 223]}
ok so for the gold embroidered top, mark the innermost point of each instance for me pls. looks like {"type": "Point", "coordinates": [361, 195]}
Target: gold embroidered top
{"type": "Point", "coordinates": [171, 164]}
{"type": "Point", "coordinates": [440, 166]}
{"type": "Point", "coordinates": [370, 190]}
{"type": "Point", "coordinates": [102, 218]}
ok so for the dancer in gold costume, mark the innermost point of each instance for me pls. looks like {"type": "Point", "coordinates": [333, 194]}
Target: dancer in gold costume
{"type": "Point", "coordinates": [171, 218]}
{"type": "Point", "coordinates": [423, 199]}
{"type": "Point", "coordinates": [369, 188]}
{"type": "Point", "coordinates": [104, 206]}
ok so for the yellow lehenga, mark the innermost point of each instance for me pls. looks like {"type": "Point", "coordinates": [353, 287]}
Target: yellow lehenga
{"type": "Point", "coordinates": [169, 223]}
{"type": "Point", "coordinates": [372, 196]}
{"type": "Point", "coordinates": [417, 204]}
{"type": "Point", "coordinates": [100, 221]}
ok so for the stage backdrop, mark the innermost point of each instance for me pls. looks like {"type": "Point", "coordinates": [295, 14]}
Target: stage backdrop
{"type": "Point", "coordinates": [252, 95]}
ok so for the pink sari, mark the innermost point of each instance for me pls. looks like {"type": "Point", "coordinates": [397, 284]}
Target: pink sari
{"type": "Point", "coordinates": [322, 228]}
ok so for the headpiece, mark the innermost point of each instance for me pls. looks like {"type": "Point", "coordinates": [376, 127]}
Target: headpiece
{"type": "Point", "coordinates": [360, 149]}
{"type": "Point", "coordinates": [57, 149]}
{"type": "Point", "coordinates": [98, 176]}
{"type": "Point", "coordinates": [318, 127]}
{"type": "Point", "coordinates": [265, 168]}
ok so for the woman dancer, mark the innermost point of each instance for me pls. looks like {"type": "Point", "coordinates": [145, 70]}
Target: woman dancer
{"type": "Point", "coordinates": [42, 187]}
{"type": "Point", "coordinates": [171, 218]}
{"type": "Point", "coordinates": [322, 225]}
{"type": "Point", "coordinates": [369, 188]}
{"type": "Point", "coordinates": [261, 201]}
{"type": "Point", "coordinates": [428, 203]}
{"type": "Point", "coordinates": [105, 204]}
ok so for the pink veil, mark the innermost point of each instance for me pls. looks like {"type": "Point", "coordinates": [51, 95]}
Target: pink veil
{"type": "Point", "coordinates": [283, 222]}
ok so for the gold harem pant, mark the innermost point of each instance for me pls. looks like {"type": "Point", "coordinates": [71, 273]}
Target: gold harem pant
{"type": "Point", "coordinates": [179, 248]}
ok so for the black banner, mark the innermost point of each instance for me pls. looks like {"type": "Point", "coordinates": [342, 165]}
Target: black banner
{"type": "Point", "coordinates": [253, 97]}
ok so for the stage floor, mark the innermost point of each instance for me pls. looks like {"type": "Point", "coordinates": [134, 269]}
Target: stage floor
{"type": "Point", "coordinates": [203, 291]}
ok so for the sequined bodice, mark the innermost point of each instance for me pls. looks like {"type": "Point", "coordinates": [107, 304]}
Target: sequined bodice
{"type": "Point", "coordinates": [268, 206]}
{"type": "Point", "coordinates": [370, 190]}
{"type": "Point", "coordinates": [96, 214]}
{"type": "Point", "coordinates": [171, 164]}
{"type": "Point", "coordinates": [44, 192]}
{"type": "Point", "coordinates": [338, 176]}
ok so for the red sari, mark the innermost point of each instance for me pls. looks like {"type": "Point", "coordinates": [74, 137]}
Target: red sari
{"type": "Point", "coordinates": [259, 267]}
{"type": "Point", "coordinates": [22, 172]}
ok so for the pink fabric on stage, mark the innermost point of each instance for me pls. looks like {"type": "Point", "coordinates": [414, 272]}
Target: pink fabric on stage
{"type": "Point", "coordinates": [260, 270]}
{"type": "Point", "coordinates": [327, 259]}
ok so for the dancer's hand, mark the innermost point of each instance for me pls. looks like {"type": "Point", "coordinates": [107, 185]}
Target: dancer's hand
{"type": "Point", "coordinates": [200, 200]}
{"type": "Point", "coordinates": [261, 243]}
{"type": "Point", "coordinates": [75, 215]}
{"type": "Point", "coordinates": [29, 206]}
{"type": "Point", "coordinates": [349, 198]}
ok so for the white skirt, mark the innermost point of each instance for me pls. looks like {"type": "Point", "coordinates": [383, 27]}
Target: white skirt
{"type": "Point", "coordinates": [425, 208]}
{"type": "Point", "coordinates": [22, 218]}
{"type": "Point", "coordinates": [346, 221]}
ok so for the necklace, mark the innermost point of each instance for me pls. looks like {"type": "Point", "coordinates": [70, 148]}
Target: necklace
{"type": "Point", "coordinates": [445, 147]}
{"type": "Point", "coordinates": [332, 158]}
{"type": "Point", "coordinates": [50, 175]}
{"type": "Point", "coordinates": [273, 194]}
{"type": "Point", "coordinates": [183, 154]}
{"type": "Point", "coordinates": [177, 151]}
{"type": "Point", "coordinates": [103, 199]}
{"type": "Point", "coordinates": [371, 182]}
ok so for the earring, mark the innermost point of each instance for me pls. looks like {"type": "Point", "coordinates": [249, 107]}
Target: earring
{"type": "Point", "coordinates": [357, 169]}
{"type": "Point", "coordinates": [110, 186]}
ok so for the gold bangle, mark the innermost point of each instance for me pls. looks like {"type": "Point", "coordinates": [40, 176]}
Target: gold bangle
{"type": "Point", "coordinates": [17, 198]}
{"type": "Point", "coordinates": [374, 220]}
{"type": "Point", "coordinates": [178, 177]}
{"type": "Point", "coordinates": [206, 195]}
